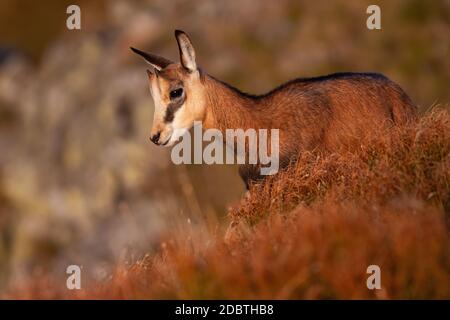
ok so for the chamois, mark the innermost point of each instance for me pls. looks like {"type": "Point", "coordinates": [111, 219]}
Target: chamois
{"type": "Point", "coordinates": [327, 113]}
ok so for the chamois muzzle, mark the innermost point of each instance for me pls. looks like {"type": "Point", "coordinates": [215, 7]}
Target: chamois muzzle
{"type": "Point", "coordinates": [155, 138]}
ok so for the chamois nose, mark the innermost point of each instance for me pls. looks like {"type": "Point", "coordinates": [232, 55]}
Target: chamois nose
{"type": "Point", "coordinates": [155, 137]}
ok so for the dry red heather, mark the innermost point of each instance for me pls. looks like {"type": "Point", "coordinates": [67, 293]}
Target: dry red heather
{"type": "Point", "coordinates": [311, 231]}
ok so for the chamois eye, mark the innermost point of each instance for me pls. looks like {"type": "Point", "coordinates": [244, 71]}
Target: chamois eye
{"type": "Point", "coordinates": [176, 93]}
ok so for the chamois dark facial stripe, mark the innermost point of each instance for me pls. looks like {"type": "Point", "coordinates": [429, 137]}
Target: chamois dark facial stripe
{"type": "Point", "coordinates": [171, 109]}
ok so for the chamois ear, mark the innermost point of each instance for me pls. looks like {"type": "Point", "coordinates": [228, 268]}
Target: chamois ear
{"type": "Point", "coordinates": [187, 52]}
{"type": "Point", "coordinates": [156, 61]}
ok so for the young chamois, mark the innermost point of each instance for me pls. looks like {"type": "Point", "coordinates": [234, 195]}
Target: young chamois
{"type": "Point", "coordinates": [327, 113]}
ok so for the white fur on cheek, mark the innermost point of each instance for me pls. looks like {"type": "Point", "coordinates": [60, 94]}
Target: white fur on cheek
{"type": "Point", "coordinates": [177, 134]}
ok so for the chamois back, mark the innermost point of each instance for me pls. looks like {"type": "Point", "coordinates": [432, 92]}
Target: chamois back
{"type": "Point", "coordinates": [331, 113]}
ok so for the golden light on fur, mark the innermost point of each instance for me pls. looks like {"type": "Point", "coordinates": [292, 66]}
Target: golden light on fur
{"type": "Point", "coordinates": [328, 113]}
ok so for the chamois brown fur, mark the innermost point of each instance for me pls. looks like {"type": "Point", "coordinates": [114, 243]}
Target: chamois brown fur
{"type": "Point", "coordinates": [330, 114]}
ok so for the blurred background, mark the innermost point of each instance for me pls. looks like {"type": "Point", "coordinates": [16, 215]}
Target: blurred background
{"type": "Point", "coordinates": [80, 182]}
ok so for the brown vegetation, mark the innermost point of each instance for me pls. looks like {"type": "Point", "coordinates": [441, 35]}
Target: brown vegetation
{"type": "Point", "coordinates": [81, 184]}
{"type": "Point", "coordinates": [311, 231]}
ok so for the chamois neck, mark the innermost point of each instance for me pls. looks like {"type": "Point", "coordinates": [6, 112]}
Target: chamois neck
{"type": "Point", "coordinates": [227, 107]}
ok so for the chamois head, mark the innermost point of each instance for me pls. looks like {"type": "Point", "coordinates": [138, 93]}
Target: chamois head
{"type": "Point", "coordinates": [177, 92]}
